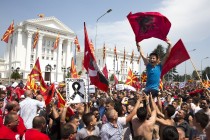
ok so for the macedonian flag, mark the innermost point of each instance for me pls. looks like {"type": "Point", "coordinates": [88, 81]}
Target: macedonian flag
{"type": "Point", "coordinates": [76, 42]}
{"type": "Point", "coordinates": [131, 79]}
{"type": "Point", "coordinates": [56, 42]}
{"type": "Point", "coordinates": [9, 31]}
{"type": "Point", "coordinates": [73, 70]}
{"type": "Point", "coordinates": [36, 38]}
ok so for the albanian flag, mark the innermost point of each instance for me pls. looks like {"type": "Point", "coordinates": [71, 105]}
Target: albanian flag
{"type": "Point", "coordinates": [149, 24]}
{"type": "Point", "coordinates": [177, 55]}
{"type": "Point", "coordinates": [96, 76]}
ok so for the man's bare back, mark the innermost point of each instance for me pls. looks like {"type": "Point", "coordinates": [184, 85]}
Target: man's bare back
{"type": "Point", "coordinates": [143, 129]}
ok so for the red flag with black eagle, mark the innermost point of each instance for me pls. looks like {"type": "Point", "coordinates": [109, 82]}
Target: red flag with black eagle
{"type": "Point", "coordinates": [149, 24]}
{"type": "Point", "coordinates": [96, 76]}
{"type": "Point", "coordinates": [177, 55]}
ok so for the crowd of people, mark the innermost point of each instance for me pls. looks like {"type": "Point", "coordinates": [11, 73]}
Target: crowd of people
{"type": "Point", "coordinates": [118, 115]}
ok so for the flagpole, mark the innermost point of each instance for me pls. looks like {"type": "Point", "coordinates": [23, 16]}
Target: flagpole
{"type": "Point", "coordinates": [75, 61]}
{"type": "Point", "coordinates": [10, 58]}
{"type": "Point", "coordinates": [199, 75]}
{"type": "Point", "coordinates": [88, 86]}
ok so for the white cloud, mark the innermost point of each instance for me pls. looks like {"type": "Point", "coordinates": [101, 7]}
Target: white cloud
{"type": "Point", "coordinates": [190, 21]}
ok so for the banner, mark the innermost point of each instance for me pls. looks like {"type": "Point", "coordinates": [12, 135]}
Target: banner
{"type": "Point", "coordinates": [120, 87]}
{"type": "Point", "coordinates": [75, 90]}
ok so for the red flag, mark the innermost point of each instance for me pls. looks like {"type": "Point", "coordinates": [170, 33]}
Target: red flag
{"type": "Point", "coordinates": [92, 47]}
{"type": "Point", "coordinates": [76, 42]}
{"type": "Point", "coordinates": [96, 76]}
{"type": "Point", "coordinates": [61, 104]}
{"type": "Point", "coordinates": [56, 42]}
{"type": "Point", "coordinates": [105, 71]}
{"type": "Point", "coordinates": [73, 70]}
{"type": "Point", "coordinates": [49, 94]}
{"type": "Point", "coordinates": [177, 55]}
{"type": "Point", "coordinates": [131, 79]}
{"type": "Point", "coordinates": [115, 80]}
{"type": "Point", "coordinates": [104, 52]}
{"type": "Point", "coordinates": [9, 31]}
{"type": "Point", "coordinates": [115, 52]}
{"type": "Point", "coordinates": [149, 24]}
{"type": "Point", "coordinates": [37, 75]}
{"type": "Point", "coordinates": [36, 39]}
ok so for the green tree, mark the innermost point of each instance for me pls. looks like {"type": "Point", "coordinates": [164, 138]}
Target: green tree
{"type": "Point", "coordinates": [111, 77]}
{"type": "Point", "coordinates": [80, 72]}
{"type": "Point", "coordinates": [194, 75]}
{"type": "Point", "coordinates": [160, 51]}
{"type": "Point", "coordinates": [205, 73]}
{"type": "Point", "coordinates": [15, 75]}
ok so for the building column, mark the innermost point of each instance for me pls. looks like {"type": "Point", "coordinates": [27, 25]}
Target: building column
{"type": "Point", "coordinates": [19, 48]}
{"type": "Point", "coordinates": [68, 54]}
{"type": "Point", "coordinates": [39, 48]}
{"type": "Point", "coordinates": [58, 61]}
{"type": "Point", "coordinates": [28, 51]}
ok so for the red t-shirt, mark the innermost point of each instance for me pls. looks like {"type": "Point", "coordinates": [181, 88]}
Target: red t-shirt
{"type": "Point", "coordinates": [33, 134]}
{"type": "Point", "coordinates": [1, 118]}
{"type": "Point", "coordinates": [21, 127]}
{"type": "Point", "coordinates": [7, 134]}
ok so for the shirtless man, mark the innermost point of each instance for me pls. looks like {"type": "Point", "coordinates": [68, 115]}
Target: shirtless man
{"type": "Point", "coordinates": [142, 127]}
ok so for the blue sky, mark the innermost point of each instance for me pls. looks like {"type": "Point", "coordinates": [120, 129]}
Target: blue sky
{"type": "Point", "coordinates": [190, 22]}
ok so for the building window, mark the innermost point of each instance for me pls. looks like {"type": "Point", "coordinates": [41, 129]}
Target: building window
{"type": "Point", "coordinates": [48, 43]}
{"type": "Point", "coordinates": [51, 58]}
{"type": "Point", "coordinates": [43, 43]}
{"type": "Point", "coordinates": [52, 44]}
{"type": "Point", "coordinates": [47, 58]}
{"type": "Point", "coordinates": [32, 57]}
{"type": "Point", "coordinates": [51, 51]}
{"type": "Point", "coordinates": [43, 50]}
{"type": "Point", "coordinates": [126, 65]}
{"type": "Point", "coordinates": [99, 62]}
{"type": "Point", "coordinates": [48, 51]}
{"type": "Point", "coordinates": [42, 57]}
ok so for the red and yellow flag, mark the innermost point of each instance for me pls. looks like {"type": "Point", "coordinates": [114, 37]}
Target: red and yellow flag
{"type": "Point", "coordinates": [161, 85]}
{"type": "Point", "coordinates": [31, 84]}
{"type": "Point", "coordinates": [115, 52]}
{"type": "Point", "coordinates": [7, 34]}
{"type": "Point", "coordinates": [76, 42]}
{"type": "Point", "coordinates": [36, 38]}
{"type": "Point", "coordinates": [104, 52]}
{"type": "Point", "coordinates": [37, 75]}
{"type": "Point", "coordinates": [56, 42]}
{"type": "Point", "coordinates": [73, 70]}
{"type": "Point", "coordinates": [131, 79]}
{"type": "Point", "coordinates": [144, 77]}
{"type": "Point", "coordinates": [132, 55]}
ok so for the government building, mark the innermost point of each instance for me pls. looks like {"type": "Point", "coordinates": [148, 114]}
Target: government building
{"type": "Point", "coordinates": [55, 63]}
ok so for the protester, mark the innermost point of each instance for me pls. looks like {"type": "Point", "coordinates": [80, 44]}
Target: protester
{"type": "Point", "coordinates": [39, 126]}
{"type": "Point", "coordinates": [28, 108]}
{"type": "Point", "coordinates": [154, 68]}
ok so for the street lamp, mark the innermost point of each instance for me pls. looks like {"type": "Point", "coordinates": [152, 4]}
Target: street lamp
{"type": "Point", "coordinates": [108, 11]}
{"type": "Point", "coordinates": [201, 66]}
{"type": "Point", "coordinates": [118, 72]}
{"type": "Point", "coordinates": [185, 78]}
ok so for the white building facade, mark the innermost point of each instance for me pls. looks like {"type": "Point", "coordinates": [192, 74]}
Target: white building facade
{"type": "Point", "coordinates": [117, 67]}
{"type": "Point", "coordinates": [53, 63]}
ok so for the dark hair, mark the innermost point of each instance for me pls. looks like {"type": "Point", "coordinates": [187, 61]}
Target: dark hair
{"type": "Point", "coordinates": [170, 110]}
{"type": "Point", "coordinates": [170, 133]}
{"type": "Point", "coordinates": [202, 118]}
{"type": "Point", "coordinates": [73, 117]}
{"type": "Point", "coordinates": [110, 101]}
{"type": "Point", "coordinates": [196, 100]}
{"type": "Point", "coordinates": [142, 113]}
{"type": "Point", "coordinates": [207, 100]}
{"type": "Point", "coordinates": [66, 130]}
{"type": "Point", "coordinates": [118, 107]}
{"type": "Point", "coordinates": [9, 118]}
{"type": "Point", "coordinates": [9, 106]}
{"type": "Point", "coordinates": [87, 118]}
{"type": "Point", "coordinates": [154, 54]}
{"type": "Point", "coordinates": [93, 109]}
{"type": "Point", "coordinates": [38, 121]}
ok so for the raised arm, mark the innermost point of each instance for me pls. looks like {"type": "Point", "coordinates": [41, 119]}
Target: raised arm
{"type": "Point", "coordinates": [152, 119]}
{"type": "Point", "coordinates": [146, 61]}
{"type": "Point", "coordinates": [167, 53]}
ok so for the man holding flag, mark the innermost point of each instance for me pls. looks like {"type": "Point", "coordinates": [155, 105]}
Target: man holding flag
{"type": "Point", "coordinates": [153, 69]}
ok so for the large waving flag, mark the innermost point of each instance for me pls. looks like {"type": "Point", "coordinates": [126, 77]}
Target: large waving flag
{"type": "Point", "coordinates": [149, 24]}
{"type": "Point", "coordinates": [49, 94]}
{"type": "Point", "coordinates": [56, 42]}
{"type": "Point", "coordinates": [36, 38]}
{"type": "Point", "coordinates": [144, 77]}
{"type": "Point", "coordinates": [177, 55]}
{"type": "Point", "coordinates": [131, 79]}
{"type": "Point", "coordinates": [115, 80]}
{"type": "Point", "coordinates": [105, 71]}
{"type": "Point", "coordinates": [96, 76]}
{"type": "Point", "coordinates": [76, 42]}
{"type": "Point", "coordinates": [73, 70]}
{"type": "Point", "coordinates": [7, 34]}
{"type": "Point", "coordinates": [37, 75]}
{"type": "Point", "coordinates": [92, 47]}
